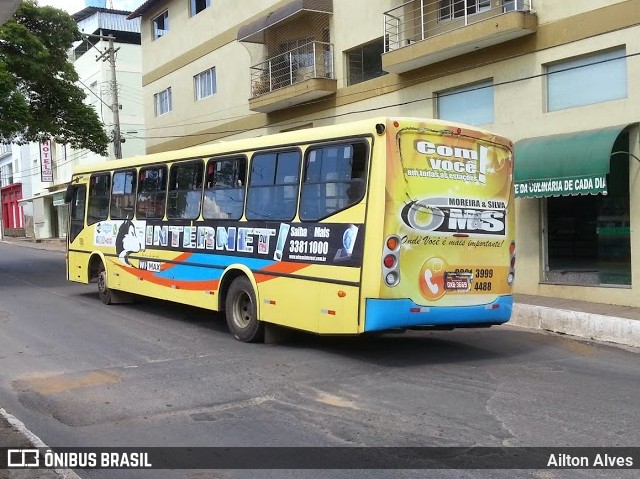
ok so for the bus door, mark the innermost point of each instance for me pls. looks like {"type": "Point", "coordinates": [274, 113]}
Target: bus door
{"type": "Point", "coordinates": [76, 199]}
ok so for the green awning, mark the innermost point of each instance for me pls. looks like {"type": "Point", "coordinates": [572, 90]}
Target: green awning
{"type": "Point", "coordinates": [561, 165]}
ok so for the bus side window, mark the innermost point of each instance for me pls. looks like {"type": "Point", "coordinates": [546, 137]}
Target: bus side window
{"type": "Point", "coordinates": [273, 186]}
{"type": "Point", "coordinates": [98, 208]}
{"type": "Point", "coordinates": [185, 190]}
{"type": "Point", "coordinates": [152, 192]}
{"type": "Point", "coordinates": [123, 195]}
{"type": "Point", "coordinates": [334, 179]}
{"type": "Point", "coordinates": [224, 188]}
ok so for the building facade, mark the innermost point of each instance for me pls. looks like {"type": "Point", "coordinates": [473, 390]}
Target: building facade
{"type": "Point", "coordinates": [558, 78]}
{"type": "Point", "coordinates": [50, 164]}
{"type": "Point", "coordinates": [10, 194]}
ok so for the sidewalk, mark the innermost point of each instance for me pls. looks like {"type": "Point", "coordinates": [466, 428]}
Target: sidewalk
{"type": "Point", "coordinates": [52, 244]}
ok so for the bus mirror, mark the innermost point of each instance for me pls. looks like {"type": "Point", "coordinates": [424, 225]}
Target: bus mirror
{"type": "Point", "coordinates": [380, 128]}
{"type": "Point", "coordinates": [68, 195]}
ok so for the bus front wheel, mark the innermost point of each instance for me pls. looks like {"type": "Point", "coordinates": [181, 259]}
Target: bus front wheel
{"type": "Point", "coordinates": [103, 290]}
{"type": "Point", "coordinates": [242, 313]}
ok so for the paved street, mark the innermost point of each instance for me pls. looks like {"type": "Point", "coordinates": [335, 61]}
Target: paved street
{"type": "Point", "coordinates": [79, 373]}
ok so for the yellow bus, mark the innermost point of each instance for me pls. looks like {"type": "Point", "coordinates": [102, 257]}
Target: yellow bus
{"type": "Point", "coordinates": [369, 226]}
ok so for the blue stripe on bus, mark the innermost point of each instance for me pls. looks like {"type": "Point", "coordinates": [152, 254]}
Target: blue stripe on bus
{"type": "Point", "coordinates": [383, 314]}
{"type": "Point", "coordinates": [192, 272]}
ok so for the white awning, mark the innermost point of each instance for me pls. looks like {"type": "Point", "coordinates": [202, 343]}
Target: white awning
{"type": "Point", "coordinates": [40, 195]}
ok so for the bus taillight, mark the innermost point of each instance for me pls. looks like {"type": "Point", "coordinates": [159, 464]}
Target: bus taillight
{"type": "Point", "coordinates": [392, 242]}
{"type": "Point", "coordinates": [391, 261]}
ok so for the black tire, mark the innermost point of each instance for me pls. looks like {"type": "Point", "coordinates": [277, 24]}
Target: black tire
{"type": "Point", "coordinates": [103, 290]}
{"type": "Point", "coordinates": [242, 313]}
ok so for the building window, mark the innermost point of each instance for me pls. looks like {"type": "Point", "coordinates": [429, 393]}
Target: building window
{"type": "Point", "coordinates": [99, 191]}
{"type": "Point", "coordinates": [589, 236]}
{"type": "Point", "coordinates": [273, 186]}
{"type": "Point", "coordinates": [471, 104]}
{"type": "Point", "coordinates": [161, 25]}
{"type": "Point", "coordinates": [365, 62]}
{"type": "Point", "coordinates": [587, 80]}
{"type": "Point", "coordinates": [224, 188]}
{"type": "Point", "coordinates": [205, 83]}
{"type": "Point", "coordinates": [152, 184]}
{"type": "Point", "coordinates": [198, 5]}
{"type": "Point", "coordinates": [185, 190]}
{"type": "Point", "coordinates": [450, 9]}
{"type": "Point", "coordinates": [162, 102]}
{"type": "Point", "coordinates": [513, 5]}
{"type": "Point", "coordinates": [294, 63]}
{"type": "Point", "coordinates": [6, 174]}
{"type": "Point", "coordinates": [334, 179]}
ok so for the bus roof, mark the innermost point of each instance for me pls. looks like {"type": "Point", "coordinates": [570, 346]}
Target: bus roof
{"type": "Point", "coordinates": [222, 147]}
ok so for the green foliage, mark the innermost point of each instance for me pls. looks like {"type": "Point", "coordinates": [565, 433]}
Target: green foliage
{"type": "Point", "coordinates": [38, 95]}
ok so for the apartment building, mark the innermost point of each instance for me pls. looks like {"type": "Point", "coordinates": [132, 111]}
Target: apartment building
{"type": "Point", "coordinates": [558, 78]}
{"type": "Point", "coordinates": [51, 165]}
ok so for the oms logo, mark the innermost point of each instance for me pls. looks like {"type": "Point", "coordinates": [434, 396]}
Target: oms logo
{"type": "Point", "coordinates": [435, 215]}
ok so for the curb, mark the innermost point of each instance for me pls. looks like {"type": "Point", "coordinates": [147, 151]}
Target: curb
{"type": "Point", "coordinates": [35, 442]}
{"type": "Point", "coordinates": [575, 323]}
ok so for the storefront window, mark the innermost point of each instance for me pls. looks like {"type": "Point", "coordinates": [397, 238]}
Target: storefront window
{"type": "Point", "coordinates": [588, 236]}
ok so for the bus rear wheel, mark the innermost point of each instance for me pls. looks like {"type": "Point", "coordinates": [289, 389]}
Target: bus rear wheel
{"type": "Point", "coordinates": [242, 313]}
{"type": "Point", "coordinates": [103, 290]}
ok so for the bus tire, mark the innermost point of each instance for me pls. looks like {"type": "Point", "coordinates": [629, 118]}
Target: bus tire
{"type": "Point", "coordinates": [103, 290]}
{"type": "Point", "coordinates": [242, 313]}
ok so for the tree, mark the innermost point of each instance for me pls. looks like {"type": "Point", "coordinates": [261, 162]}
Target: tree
{"type": "Point", "coordinates": [38, 95]}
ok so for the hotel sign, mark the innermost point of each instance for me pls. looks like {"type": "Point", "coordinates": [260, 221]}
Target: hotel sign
{"type": "Point", "coordinates": [46, 162]}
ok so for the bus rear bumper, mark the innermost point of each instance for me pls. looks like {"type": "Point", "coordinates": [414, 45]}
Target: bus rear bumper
{"type": "Point", "coordinates": [384, 314]}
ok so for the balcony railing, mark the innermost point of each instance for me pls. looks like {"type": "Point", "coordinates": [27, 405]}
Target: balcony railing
{"type": "Point", "coordinates": [418, 20]}
{"type": "Point", "coordinates": [312, 60]}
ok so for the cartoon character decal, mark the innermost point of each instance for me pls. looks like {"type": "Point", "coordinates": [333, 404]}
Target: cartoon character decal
{"type": "Point", "coordinates": [127, 241]}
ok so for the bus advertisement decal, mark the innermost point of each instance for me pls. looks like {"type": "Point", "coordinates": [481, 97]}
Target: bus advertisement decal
{"type": "Point", "coordinates": [196, 255]}
{"type": "Point", "coordinates": [449, 194]}
{"type": "Point", "coordinates": [311, 243]}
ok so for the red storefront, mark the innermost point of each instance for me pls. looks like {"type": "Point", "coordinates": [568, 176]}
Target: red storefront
{"type": "Point", "coordinates": [12, 214]}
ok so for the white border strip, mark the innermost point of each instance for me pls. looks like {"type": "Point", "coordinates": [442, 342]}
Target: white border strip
{"type": "Point", "coordinates": [35, 441]}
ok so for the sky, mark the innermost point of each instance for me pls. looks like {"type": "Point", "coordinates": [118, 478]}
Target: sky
{"type": "Point", "coordinates": [74, 6]}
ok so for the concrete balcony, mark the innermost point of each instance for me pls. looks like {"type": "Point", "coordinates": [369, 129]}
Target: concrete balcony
{"type": "Point", "coordinates": [294, 77]}
{"type": "Point", "coordinates": [423, 32]}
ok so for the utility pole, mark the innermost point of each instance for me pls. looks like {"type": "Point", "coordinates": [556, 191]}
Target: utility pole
{"type": "Point", "coordinates": [110, 55]}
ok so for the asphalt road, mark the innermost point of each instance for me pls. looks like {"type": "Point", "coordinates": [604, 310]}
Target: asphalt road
{"type": "Point", "coordinates": [79, 373]}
